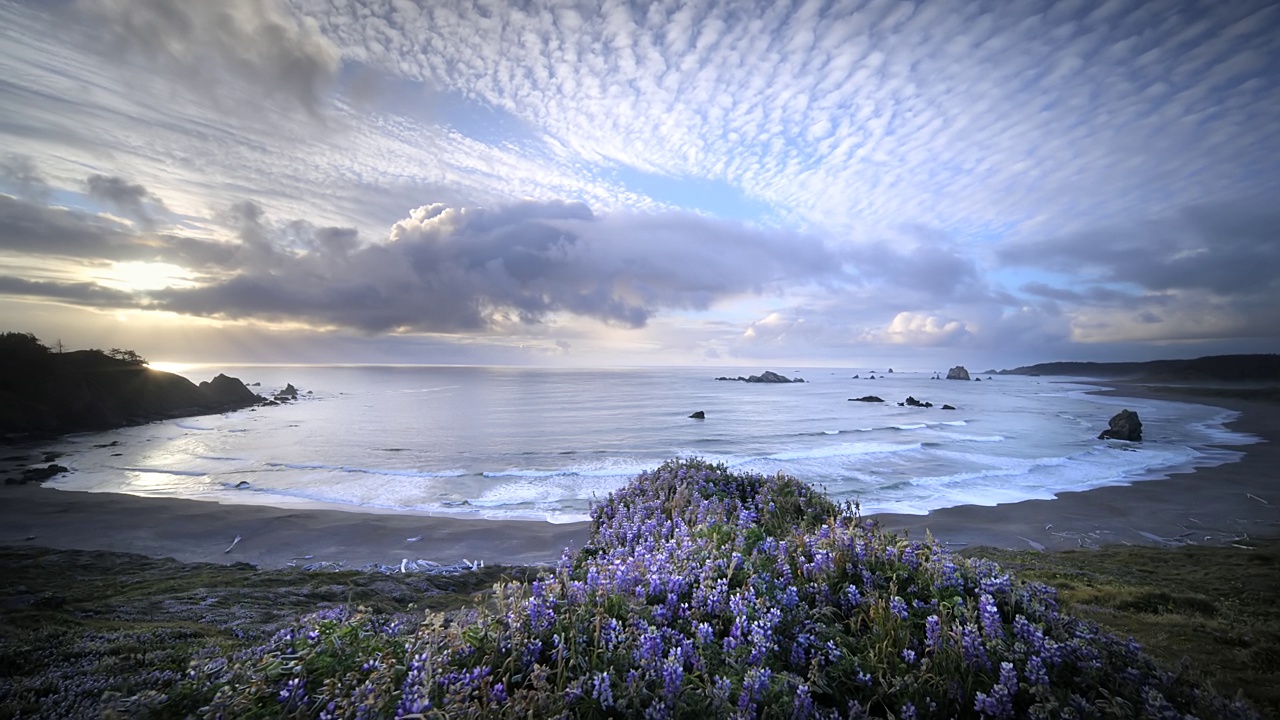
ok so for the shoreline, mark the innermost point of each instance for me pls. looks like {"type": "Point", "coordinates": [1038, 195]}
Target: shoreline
{"type": "Point", "coordinates": [1205, 506]}
{"type": "Point", "coordinates": [1209, 506]}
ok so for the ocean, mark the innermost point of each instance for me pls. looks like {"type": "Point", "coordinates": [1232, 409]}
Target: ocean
{"type": "Point", "coordinates": [543, 444]}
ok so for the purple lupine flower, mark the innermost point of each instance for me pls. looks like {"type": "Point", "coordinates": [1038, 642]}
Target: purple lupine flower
{"type": "Point", "coordinates": [898, 607]}
{"type": "Point", "coordinates": [908, 712]}
{"type": "Point", "coordinates": [602, 689]}
{"type": "Point", "coordinates": [802, 707]}
{"type": "Point", "coordinates": [498, 694]}
{"type": "Point", "coordinates": [293, 692]}
{"type": "Point", "coordinates": [909, 656]}
{"type": "Point", "coordinates": [989, 616]}
{"type": "Point", "coordinates": [933, 632]}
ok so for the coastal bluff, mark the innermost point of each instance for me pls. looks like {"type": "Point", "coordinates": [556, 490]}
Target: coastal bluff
{"type": "Point", "coordinates": [45, 394]}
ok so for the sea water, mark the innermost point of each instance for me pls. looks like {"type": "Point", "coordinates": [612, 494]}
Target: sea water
{"type": "Point", "coordinates": [543, 444]}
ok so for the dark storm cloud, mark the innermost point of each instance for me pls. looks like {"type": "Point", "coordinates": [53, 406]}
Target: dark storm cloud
{"type": "Point", "coordinates": [449, 269]}
{"type": "Point", "coordinates": [1096, 294]}
{"type": "Point", "coordinates": [85, 294]}
{"type": "Point", "coordinates": [260, 42]}
{"type": "Point", "coordinates": [1229, 250]}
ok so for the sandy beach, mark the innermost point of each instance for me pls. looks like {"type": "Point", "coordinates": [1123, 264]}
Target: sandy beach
{"type": "Point", "coordinates": [1211, 506]}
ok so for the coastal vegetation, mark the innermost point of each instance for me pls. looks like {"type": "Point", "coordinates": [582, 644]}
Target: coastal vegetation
{"type": "Point", "coordinates": [701, 593]}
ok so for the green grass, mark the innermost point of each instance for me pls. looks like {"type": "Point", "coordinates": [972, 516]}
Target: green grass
{"type": "Point", "coordinates": [110, 622]}
{"type": "Point", "coordinates": [1213, 610]}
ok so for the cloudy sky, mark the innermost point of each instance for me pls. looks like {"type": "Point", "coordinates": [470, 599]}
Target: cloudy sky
{"type": "Point", "coordinates": [711, 182]}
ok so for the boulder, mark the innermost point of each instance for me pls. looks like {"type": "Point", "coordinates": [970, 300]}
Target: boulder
{"type": "Point", "coordinates": [867, 398]}
{"type": "Point", "coordinates": [291, 393]}
{"type": "Point", "coordinates": [1125, 425]}
{"type": "Point", "coordinates": [890, 371]}
{"type": "Point", "coordinates": [947, 407]}
{"type": "Point", "coordinates": [958, 373]}
{"type": "Point", "coordinates": [912, 402]}
{"type": "Point", "coordinates": [699, 415]}
{"type": "Point", "coordinates": [855, 377]}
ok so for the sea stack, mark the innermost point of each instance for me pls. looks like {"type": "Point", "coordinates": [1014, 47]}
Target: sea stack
{"type": "Point", "coordinates": [958, 373]}
{"type": "Point", "coordinates": [1125, 425]}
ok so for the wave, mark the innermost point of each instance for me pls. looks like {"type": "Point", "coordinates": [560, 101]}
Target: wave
{"type": "Point", "coordinates": [188, 425]}
{"type": "Point", "coordinates": [164, 471]}
{"type": "Point", "coordinates": [370, 471]}
{"type": "Point", "coordinates": [844, 450]}
{"type": "Point", "coordinates": [619, 470]}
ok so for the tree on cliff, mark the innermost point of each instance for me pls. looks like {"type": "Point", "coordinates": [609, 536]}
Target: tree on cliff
{"type": "Point", "coordinates": [128, 356]}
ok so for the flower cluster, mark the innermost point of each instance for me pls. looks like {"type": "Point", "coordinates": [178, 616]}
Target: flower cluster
{"type": "Point", "coordinates": [705, 593]}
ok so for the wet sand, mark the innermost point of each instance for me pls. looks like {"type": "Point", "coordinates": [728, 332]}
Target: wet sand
{"type": "Point", "coordinates": [1211, 506]}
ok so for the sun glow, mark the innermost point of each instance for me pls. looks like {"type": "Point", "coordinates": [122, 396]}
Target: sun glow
{"type": "Point", "coordinates": [134, 276]}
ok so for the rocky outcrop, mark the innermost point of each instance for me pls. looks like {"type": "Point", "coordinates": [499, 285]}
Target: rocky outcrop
{"type": "Point", "coordinates": [1124, 425]}
{"type": "Point", "coordinates": [699, 415]}
{"type": "Point", "coordinates": [37, 474]}
{"type": "Point", "coordinates": [768, 376]}
{"type": "Point", "coordinates": [867, 398]}
{"type": "Point", "coordinates": [912, 402]}
{"type": "Point", "coordinates": [86, 390]}
{"type": "Point", "coordinates": [948, 407]}
{"type": "Point", "coordinates": [288, 393]}
{"type": "Point", "coordinates": [229, 390]}
{"type": "Point", "coordinates": [958, 373]}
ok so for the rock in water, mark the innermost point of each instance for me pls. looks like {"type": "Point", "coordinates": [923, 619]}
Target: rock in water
{"type": "Point", "coordinates": [290, 392]}
{"type": "Point", "coordinates": [229, 390]}
{"type": "Point", "coordinates": [958, 373]}
{"type": "Point", "coordinates": [699, 415]}
{"type": "Point", "coordinates": [768, 376]}
{"type": "Point", "coordinates": [912, 402]}
{"type": "Point", "coordinates": [867, 398]}
{"type": "Point", "coordinates": [1124, 426]}
{"type": "Point", "coordinates": [947, 407]}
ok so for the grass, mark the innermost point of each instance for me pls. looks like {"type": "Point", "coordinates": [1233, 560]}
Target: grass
{"type": "Point", "coordinates": [1212, 610]}
{"type": "Point", "coordinates": [75, 624]}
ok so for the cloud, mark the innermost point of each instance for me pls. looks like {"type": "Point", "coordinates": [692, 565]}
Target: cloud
{"type": "Point", "coordinates": [908, 328]}
{"type": "Point", "coordinates": [848, 115]}
{"type": "Point", "coordinates": [468, 270]}
{"type": "Point", "coordinates": [260, 42]}
{"type": "Point", "coordinates": [132, 199]}
{"type": "Point", "coordinates": [1207, 271]}
{"type": "Point", "coordinates": [18, 173]}
{"type": "Point", "coordinates": [84, 294]}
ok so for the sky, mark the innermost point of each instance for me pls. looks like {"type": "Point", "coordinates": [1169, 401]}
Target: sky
{"type": "Point", "coordinates": [711, 183]}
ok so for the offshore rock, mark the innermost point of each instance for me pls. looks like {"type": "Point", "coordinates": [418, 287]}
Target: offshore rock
{"type": "Point", "coordinates": [958, 373]}
{"type": "Point", "coordinates": [1125, 425]}
{"type": "Point", "coordinates": [867, 398]}
{"type": "Point", "coordinates": [229, 390]}
{"type": "Point", "coordinates": [699, 415]}
{"type": "Point", "coordinates": [768, 376]}
{"type": "Point", "coordinates": [289, 392]}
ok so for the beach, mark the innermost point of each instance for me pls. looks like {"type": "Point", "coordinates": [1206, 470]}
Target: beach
{"type": "Point", "coordinates": [1222, 505]}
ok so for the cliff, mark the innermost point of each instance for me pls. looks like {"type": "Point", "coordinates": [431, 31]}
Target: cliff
{"type": "Point", "coordinates": [1218, 368]}
{"type": "Point", "coordinates": [44, 394]}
